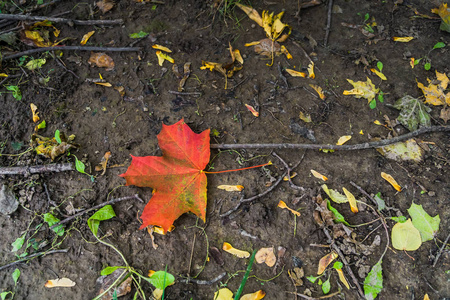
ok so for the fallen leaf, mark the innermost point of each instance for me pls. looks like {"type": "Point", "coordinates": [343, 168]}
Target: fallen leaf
{"type": "Point", "coordinates": [159, 47]}
{"type": "Point", "coordinates": [177, 176]}
{"type": "Point", "coordinates": [379, 74]}
{"type": "Point", "coordinates": [351, 200]}
{"type": "Point", "coordinates": [121, 90]}
{"type": "Point", "coordinates": [408, 150]}
{"type": "Point", "coordinates": [35, 114]}
{"type": "Point", "coordinates": [61, 282]}
{"type": "Point", "coordinates": [342, 278]}
{"type": "Point", "coordinates": [405, 236]}
{"type": "Point", "coordinates": [362, 89]}
{"type": "Point", "coordinates": [254, 296]}
{"type": "Point", "coordinates": [102, 165]}
{"type": "Point", "coordinates": [223, 294]}
{"type": "Point", "coordinates": [296, 73]}
{"type": "Point", "coordinates": [236, 252]}
{"type": "Point", "coordinates": [105, 5]}
{"type": "Point", "coordinates": [35, 64]}
{"type": "Point", "coordinates": [252, 110]}
{"type": "Point", "coordinates": [325, 261]}
{"type": "Point", "coordinates": [305, 117]}
{"type": "Point", "coordinates": [101, 60]}
{"type": "Point", "coordinates": [296, 275]}
{"type": "Point", "coordinates": [285, 51]}
{"type": "Point", "coordinates": [413, 113]}
{"type": "Point", "coordinates": [319, 91]}
{"type": "Point", "coordinates": [251, 13]}
{"type": "Point", "coordinates": [428, 226]}
{"type": "Point", "coordinates": [391, 180]}
{"type": "Point", "coordinates": [444, 12]}
{"type": "Point", "coordinates": [231, 188]}
{"type": "Point", "coordinates": [343, 139]}
{"type": "Point", "coordinates": [445, 114]}
{"type": "Point", "coordinates": [283, 205]}
{"type": "Point", "coordinates": [311, 71]}
{"type": "Point", "coordinates": [373, 284]}
{"type": "Point", "coordinates": [293, 174]}
{"type": "Point", "coordinates": [403, 39]}
{"type": "Point", "coordinates": [162, 57]}
{"type": "Point", "coordinates": [50, 148]}
{"type": "Point", "coordinates": [266, 255]}
{"type": "Point", "coordinates": [107, 84]}
{"type": "Point", "coordinates": [434, 93]}
{"type": "Point", "coordinates": [86, 37]}
{"type": "Point", "coordinates": [3, 75]}
{"type": "Point", "coordinates": [426, 297]}
{"type": "Point", "coordinates": [318, 175]}
{"type": "Point", "coordinates": [334, 195]}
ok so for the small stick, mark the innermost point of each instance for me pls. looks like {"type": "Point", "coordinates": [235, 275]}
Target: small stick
{"type": "Point", "coordinates": [362, 146]}
{"type": "Point", "coordinates": [206, 282]}
{"type": "Point", "coordinates": [27, 170]}
{"type": "Point", "coordinates": [73, 48]}
{"type": "Point", "coordinates": [44, 253]}
{"type": "Point", "coordinates": [440, 250]}
{"type": "Point", "coordinates": [59, 20]}
{"type": "Point", "coordinates": [312, 298]}
{"type": "Point", "coordinates": [294, 186]}
{"type": "Point", "coordinates": [112, 201]}
{"type": "Point", "coordinates": [185, 93]}
{"type": "Point", "coordinates": [327, 29]}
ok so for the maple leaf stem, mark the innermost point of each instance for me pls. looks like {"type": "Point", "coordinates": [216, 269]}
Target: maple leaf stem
{"type": "Point", "coordinates": [258, 166]}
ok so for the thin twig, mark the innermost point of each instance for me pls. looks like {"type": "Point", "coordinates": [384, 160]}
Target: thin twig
{"type": "Point", "coordinates": [312, 298]}
{"type": "Point", "coordinates": [27, 170]}
{"type": "Point", "coordinates": [327, 29]}
{"type": "Point", "coordinates": [362, 146]}
{"type": "Point", "coordinates": [43, 253]}
{"type": "Point", "coordinates": [73, 48]}
{"type": "Point", "coordinates": [112, 201]}
{"type": "Point", "coordinates": [205, 282]}
{"type": "Point", "coordinates": [59, 20]}
{"type": "Point", "coordinates": [292, 185]}
{"type": "Point", "coordinates": [58, 60]}
{"type": "Point", "coordinates": [185, 93]}
{"type": "Point", "coordinates": [440, 250]}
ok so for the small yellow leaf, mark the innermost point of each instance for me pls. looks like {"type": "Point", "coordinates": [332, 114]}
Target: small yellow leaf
{"type": "Point", "coordinates": [283, 205]}
{"type": "Point", "coordinates": [325, 261]}
{"type": "Point", "coordinates": [236, 252]}
{"type": "Point", "coordinates": [252, 44]}
{"type": "Point", "coordinates": [61, 282]}
{"type": "Point", "coordinates": [296, 73]}
{"type": "Point", "coordinates": [379, 74]}
{"type": "Point", "coordinates": [319, 91]}
{"type": "Point", "coordinates": [254, 296]}
{"type": "Point", "coordinates": [318, 175]}
{"type": "Point", "coordinates": [285, 178]}
{"type": "Point", "coordinates": [86, 37]}
{"type": "Point", "coordinates": [252, 110]}
{"type": "Point", "coordinates": [435, 93]}
{"type": "Point", "coordinates": [376, 122]}
{"type": "Point", "coordinates": [231, 188]}
{"type": "Point", "coordinates": [391, 180]}
{"type": "Point", "coordinates": [343, 139]}
{"type": "Point", "coordinates": [305, 117]}
{"type": "Point", "coordinates": [35, 114]}
{"type": "Point", "coordinates": [162, 57]}
{"type": "Point", "coordinates": [223, 294]}
{"type": "Point", "coordinates": [362, 89]}
{"type": "Point", "coordinates": [285, 51]}
{"type": "Point", "coordinates": [342, 278]}
{"type": "Point", "coordinates": [311, 71]}
{"type": "Point", "coordinates": [160, 230]}
{"type": "Point", "coordinates": [403, 39]}
{"type": "Point", "coordinates": [426, 297]}
{"type": "Point", "coordinates": [412, 62]}
{"type": "Point", "coordinates": [351, 200]}
{"type": "Point", "coordinates": [251, 13]}
{"type": "Point", "coordinates": [107, 84]}
{"type": "Point", "coordinates": [159, 47]}
{"type": "Point", "coordinates": [3, 75]}
{"type": "Point", "coordinates": [361, 132]}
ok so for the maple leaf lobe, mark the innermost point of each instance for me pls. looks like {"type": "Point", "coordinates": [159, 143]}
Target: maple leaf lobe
{"type": "Point", "coordinates": [177, 177]}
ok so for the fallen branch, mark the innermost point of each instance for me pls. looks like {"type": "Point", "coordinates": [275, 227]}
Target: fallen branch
{"type": "Point", "coordinates": [27, 170]}
{"type": "Point", "coordinates": [59, 20]}
{"type": "Point", "coordinates": [370, 145]}
{"type": "Point", "coordinates": [44, 253]}
{"type": "Point", "coordinates": [73, 48]}
{"type": "Point", "coordinates": [112, 201]}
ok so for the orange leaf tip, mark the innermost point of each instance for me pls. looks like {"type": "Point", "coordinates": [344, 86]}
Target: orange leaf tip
{"type": "Point", "coordinates": [325, 261]}
{"type": "Point", "coordinates": [402, 39]}
{"type": "Point", "coordinates": [283, 205]}
{"type": "Point", "coordinates": [254, 296]}
{"type": "Point", "coordinates": [318, 175]}
{"type": "Point", "coordinates": [231, 188]}
{"type": "Point", "coordinates": [391, 180]}
{"type": "Point", "coordinates": [236, 252]}
{"type": "Point", "coordinates": [351, 200]}
{"type": "Point", "coordinates": [285, 178]}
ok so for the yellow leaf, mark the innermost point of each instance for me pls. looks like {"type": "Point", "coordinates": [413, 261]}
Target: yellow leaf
{"type": "Point", "coordinates": [343, 139]}
{"type": "Point", "coordinates": [351, 200]}
{"type": "Point", "coordinates": [238, 56]}
{"type": "Point", "coordinates": [311, 71]}
{"type": "Point", "coordinates": [434, 93]}
{"type": "Point", "coordinates": [86, 37]}
{"type": "Point", "coordinates": [391, 180]}
{"type": "Point", "coordinates": [378, 123]}
{"type": "Point", "coordinates": [283, 205]}
{"type": "Point", "coordinates": [318, 175]}
{"type": "Point", "coordinates": [379, 74]}
{"type": "Point", "coordinates": [405, 236]}
{"type": "Point", "coordinates": [285, 178]}
{"type": "Point", "coordinates": [361, 132]}
{"type": "Point", "coordinates": [159, 47]}
{"type": "Point", "coordinates": [342, 278]}
{"type": "Point", "coordinates": [319, 91]}
{"type": "Point", "coordinates": [286, 52]}
{"type": "Point", "coordinates": [252, 110]}
{"type": "Point", "coordinates": [252, 44]}
{"type": "Point", "coordinates": [266, 255]}
{"type": "Point", "coordinates": [223, 294]}
{"type": "Point", "coordinates": [236, 252]}
{"type": "Point", "coordinates": [162, 57]}
{"type": "Point", "coordinates": [35, 114]}
{"type": "Point", "coordinates": [231, 188]}
{"type": "Point", "coordinates": [62, 282]}
{"type": "Point", "coordinates": [412, 62]}
{"type": "Point", "coordinates": [3, 75]}
{"type": "Point", "coordinates": [362, 89]}
{"type": "Point", "coordinates": [251, 13]}
{"type": "Point", "coordinates": [254, 296]}
{"type": "Point", "coordinates": [107, 84]}
{"type": "Point", "coordinates": [305, 117]}
{"type": "Point", "coordinates": [426, 297]}
{"type": "Point", "coordinates": [403, 39]}
{"type": "Point", "coordinates": [325, 261]}
{"type": "Point", "coordinates": [296, 73]}
{"type": "Point", "coordinates": [443, 12]}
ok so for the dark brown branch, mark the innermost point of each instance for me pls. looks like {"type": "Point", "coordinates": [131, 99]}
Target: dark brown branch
{"type": "Point", "coordinates": [291, 184]}
{"type": "Point", "coordinates": [73, 48]}
{"type": "Point", "coordinates": [440, 250]}
{"type": "Point", "coordinates": [27, 170]}
{"type": "Point", "coordinates": [31, 256]}
{"type": "Point", "coordinates": [112, 201]}
{"type": "Point", "coordinates": [327, 29]}
{"type": "Point", "coordinates": [370, 145]}
{"type": "Point", "coordinates": [59, 20]}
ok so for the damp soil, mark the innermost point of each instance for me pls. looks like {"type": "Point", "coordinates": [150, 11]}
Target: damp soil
{"type": "Point", "coordinates": [103, 120]}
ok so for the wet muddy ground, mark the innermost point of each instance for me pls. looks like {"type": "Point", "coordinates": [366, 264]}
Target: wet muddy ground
{"type": "Point", "coordinates": [104, 120]}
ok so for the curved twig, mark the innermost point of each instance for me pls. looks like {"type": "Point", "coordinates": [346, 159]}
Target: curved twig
{"type": "Point", "coordinates": [31, 256]}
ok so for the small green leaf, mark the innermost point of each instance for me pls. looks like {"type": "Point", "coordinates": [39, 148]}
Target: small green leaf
{"type": "Point", "coordinates": [338, 265]}
{"type": "Point", "coordinates": [416, 62]}
{"type": "Point", "coordinates": [79, 165]}
{"type": "Point", "coordinates": [381, 97]}
{"type": "Point", "coordinates": [334, 195]}
{"type": "Point", "coordinates": [35, 64]}
{"type": "Point", "coordinates": [373, 104]}
{"type": "Point", "coordinates": [428, 226]}
{"type": "Point", "coordinates": [338, 218]}
{"type": "Point", "coordinates": [15, 91]}
{"type": "Point", "coordinates": [380, 66]}
{"type": "Point", "coordinates": [312, 278]}
{"type": "Point", "coordinates": [439, 45]}
{"type": "Point", "coordinates": [138, 35]}
{"type": "Point", "coordinates": [380, 202]}
{"type": "Point", "coordinates": [109, 270]}
{"type": "Point", "coordinates": [52, 220]}
{"type": "Point", "coordinates": [58, 136]}
{"type": "Point", "coordinates": [16, 275]}
{"type": "Point", "coordinates": [18, 243]}
{"type": "Point", "coordinates": [4, 294]}
{"type": "Point", "coordinates": [158, 281]}
{"type": "Point", "coordinates": [366, 17]}
{"type": "Point", "coordinates": [42, 125]}
{"type": "Point", "coordinates": [427, 66]}
{"type": "Point", "coordinates": [373, 284]}
{"type": "Point", "coordinates": [326, 286]}
{"type": "Point", "coordinates": [104, 213]}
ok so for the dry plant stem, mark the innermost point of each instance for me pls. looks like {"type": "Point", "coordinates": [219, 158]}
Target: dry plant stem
{"type": "Point", "coordinates": [43, 253]}
{"type": "Point", "coordinates": [185, 93]}
{"type": "Point", "coordinates": [59, 20]}
{"type": "Point", "coordinates": [312, 298]}
{"type": "Point", "coordinates": [27, 170]}
{"type": "Point", "coordinates": [440, 250]}
{"type": "Point", "coordinates": [73, 48]}
{"type": "Point", "coordinates": [205, 282]}
{"type": "Point", "coordinates": [342, 257]}
{"type": "Point", "coordinates": [242, 200]}
{"type": "Point", "coordinates": [327, 29]}
{"type": "Point", "coordinates": [292, 185]}
{"type": "Point", "coordinates": [362, 146]}
{"type": "Point", "coordinates": [112, 201]}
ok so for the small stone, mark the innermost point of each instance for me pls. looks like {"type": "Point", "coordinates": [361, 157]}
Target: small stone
{"type": "Point", "coordinates": [431, 193]}
{"type": "Point", "coordinates": [8, 201]}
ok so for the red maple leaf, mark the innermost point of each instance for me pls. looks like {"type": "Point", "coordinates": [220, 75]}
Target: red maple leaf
{"type": "Point", "coordinates": [177, 177]}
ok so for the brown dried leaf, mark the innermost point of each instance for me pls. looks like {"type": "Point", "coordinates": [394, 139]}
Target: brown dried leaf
{"type": "Point", "coordinates": [101, 60]}
{"type": "Point", "coordinates": [325, 261]}
{"type": "Point", "coordinates": [105, 5]}
{"type": "Point", "coordinates": [266, 255]}
{"type": "Point", "coordinates": [106, 281]}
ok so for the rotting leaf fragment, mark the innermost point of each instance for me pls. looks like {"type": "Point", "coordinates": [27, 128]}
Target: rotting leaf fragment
{"type": "Point", "coordinates": [325, 261]}
{"type": "Point", "coordinates": [283, 205]}
{"type": "Point", "coordinates": [236, 252]}
{"type": "Point", "coordinates": [391, 180]}
{"type": "Point", "coordinates": [267, 256]}
{"type": "Point", "coordinates": [61, 282]}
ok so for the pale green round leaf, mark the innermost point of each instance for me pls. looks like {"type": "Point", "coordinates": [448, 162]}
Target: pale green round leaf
{"type": "Point", "coordinates": [406, 237]}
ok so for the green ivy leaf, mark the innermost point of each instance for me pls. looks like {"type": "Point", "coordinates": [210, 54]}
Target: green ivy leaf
{"type": "Point", "coordinates": [428, 226]}
{"type": "Point", "coordinates": [4, 294]}
{"type": "Point", "coordinates": [18, 243]}
{"type": "Point", "coordinates": [52, 220]}
{"type": "Point", "coordinates": [108, 270]}
{"type": "Point", "coordinates": [312, 278]}
{"type": "Point", "coordinates": [326, 286]}
{"type": "Point", "coordinates": [104, 213]}
{"type": "Point", "coordinates": [162, 279]}
{"type": "Point", "coordinates": [16, 275]}
{"type": "Point", "coordinates": [373, 284]}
